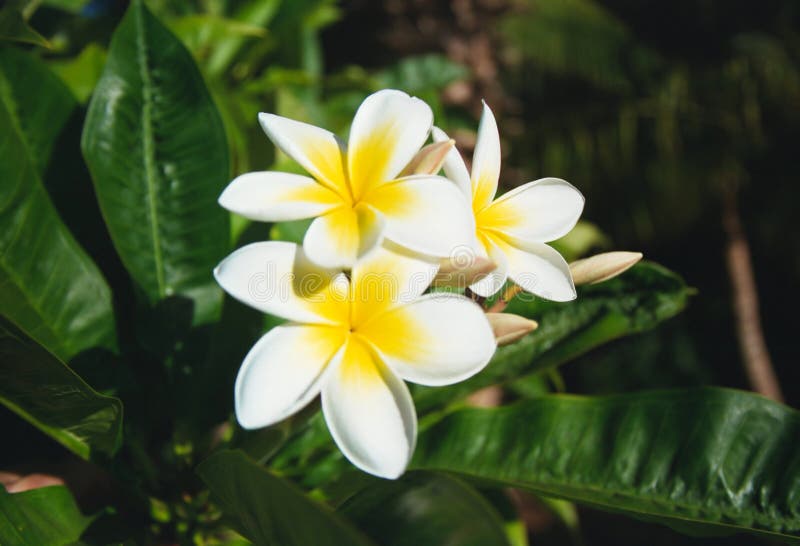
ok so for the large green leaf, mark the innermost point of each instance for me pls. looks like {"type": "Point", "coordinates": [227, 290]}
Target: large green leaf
{"type": "Point", "coordinates": [156, 148]}
{"type": "Point", "coordinates": [634, 302]}
{"type": "Point", "coordinates": [424, 509]}
{"type": "Point", "coordinates": [47, 516]}
{"type": "Point", "coordinates": [702, 460]}
{"type": "Point", "coordinates": [50, 288]}
{"type": "Point", "coordinates": [45, 392]}
{"type": "Point", "coordinates": [39, 100]}
{"type": "Point", "coordinates": [270, 510]}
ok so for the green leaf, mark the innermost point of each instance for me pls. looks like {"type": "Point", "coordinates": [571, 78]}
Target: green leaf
{"type": "Point", "coordinates": [50, 288]}
{"type": "Point", "coordinates": [14, 28]}
{"type": "Point", "coordinates": [155, 145]}
{"type": "Point", "coordinates": [45, 392]}
{"type": "Point", "coordinates": [252, 13]}
{"type": "Point", "coordinates": [270, 510]}
{"type": "Point", "coordinates": [703, 460]}
{"type": "Point", "coordinates": [39, 100]}
{"type": "Point", "coordinates": [421, 509]}
{"type": "Point", "coordinates": [634, 302]}
{"type": "Point", "coordinates": [47, 516]}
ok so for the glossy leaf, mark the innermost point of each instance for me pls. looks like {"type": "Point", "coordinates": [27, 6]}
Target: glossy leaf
{"type": "Point", "coordinates": [156, 148]}
{"type": "Point", "coordinates": [422, 509]}
{"type": "Point", "coordinates": [39, 100]}
{"type": "Point", "coordinates": [51, 289]}
{"type": "Point", "coordinates": [635, 302]}
{"type": "Point", "coordinates": [268, 509]}
{"type": "Point", "coordinates": [47, 516]}
{"type": "Point", "coordinates": [704, 460]}
{"type": "Point", "coordinates": [45, 392]}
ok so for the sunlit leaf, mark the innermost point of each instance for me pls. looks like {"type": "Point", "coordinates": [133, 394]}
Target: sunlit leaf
{"type": "Point", "coordinates": [51, 289]}
{"type": "Point", "coordinates": [704, 460]}
{"type": "Point", "coordinates": [156, 148]}
{"type": "Point", "coordinates": [202, 33]}
{"type": "Point", "coordinates": [252, 13]}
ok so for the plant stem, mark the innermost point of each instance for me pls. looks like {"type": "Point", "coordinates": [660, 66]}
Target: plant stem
{"type": "Point", "coordinates": [755, 354]}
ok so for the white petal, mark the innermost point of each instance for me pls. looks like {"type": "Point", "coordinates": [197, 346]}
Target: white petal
{"type": "Point", "coordinates": [426, 214]}
{"type": "Point", "coordinates": [276, 197]}
{"type": "Point", "coordinates": [486, 160]}
{"type": "Point", "coordinates": [452, 339]}
{"type": "Point", "coordinates": [495, 279]}
{"type": "Point", "coordinates": [282, 372]}
{"type": "Point", "coordinates": [539, 269]}
{"type": "Point", "coordinates": [387, 277]}
{"type": "Point", "coordinates": [389, 128]}
{"type": "Point", "coordinates": [369, 412]}
{"type": "Point", "coordinates": [539, 211]}
{"type": "Point", "coordinates": [275, 277]}
{"type": "Point", "coordinates": [339, 238]}
{"type": "Point", "coordinates": [454, 167]}
{"type": "Point", "coordinates": [318, 151]}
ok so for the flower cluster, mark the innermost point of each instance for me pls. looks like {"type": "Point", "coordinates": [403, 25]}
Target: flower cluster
{"type": "Point", "coordinates": [360, 320]}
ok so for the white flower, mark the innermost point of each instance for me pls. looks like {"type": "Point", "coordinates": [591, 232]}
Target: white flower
{"type": "Point", "coordinates": [355, 192]}
{"type": "Point", "coordinates": [354, 340]}
{"type": "Point", "coordinates": [512, 230]}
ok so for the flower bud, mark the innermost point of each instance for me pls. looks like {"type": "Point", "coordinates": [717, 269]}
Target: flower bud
{"type": "Point", "coordinates": [429, 160]}
{"type": "Point", "coordinates": [509, 328]}
{"type": "Point", "coordinates": [602, 267]}
{"type": "Point", "coordinates": [453, 274]}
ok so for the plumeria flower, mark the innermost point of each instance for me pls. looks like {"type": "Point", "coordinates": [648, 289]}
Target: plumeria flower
{"type": "Point", "coordinates": [355, 191]}
{"type": "Point", "coordinates": [354, 340]}
{"type": "Point", "coordinates": [512, 230]}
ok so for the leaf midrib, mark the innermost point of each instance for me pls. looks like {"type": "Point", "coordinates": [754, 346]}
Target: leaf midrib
{"type": "Point", "coordinates": [148, 151]}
